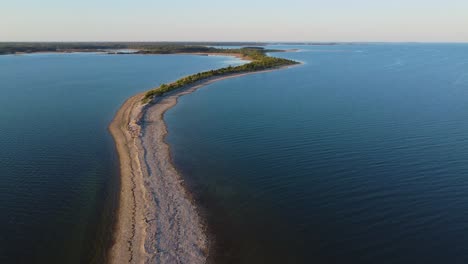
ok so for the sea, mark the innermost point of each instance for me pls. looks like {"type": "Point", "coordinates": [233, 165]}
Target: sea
{"type": "Point", "coordinates": [358, 155]}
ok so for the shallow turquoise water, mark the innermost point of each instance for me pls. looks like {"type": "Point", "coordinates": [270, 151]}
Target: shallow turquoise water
{"type": "Point", "coordinates": [58, 166]}
{"type": "Point", "coordinates": [358, 156]}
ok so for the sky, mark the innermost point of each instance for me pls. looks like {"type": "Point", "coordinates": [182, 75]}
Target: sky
{"type": "Point", "coordinates": [241, 20]}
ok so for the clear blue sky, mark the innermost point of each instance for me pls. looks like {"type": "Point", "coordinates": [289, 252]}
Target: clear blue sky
{"type": "Point", "coordinates": [242, 20]}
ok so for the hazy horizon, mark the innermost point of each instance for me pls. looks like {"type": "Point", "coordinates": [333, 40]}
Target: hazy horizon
{"type": "Point", "coordinates": [241, 21]}
{"type": "Point", "coordinates": [235, 41]}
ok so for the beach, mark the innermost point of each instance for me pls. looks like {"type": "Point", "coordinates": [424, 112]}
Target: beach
{"type": "Point", "coordinates": [157, 221]}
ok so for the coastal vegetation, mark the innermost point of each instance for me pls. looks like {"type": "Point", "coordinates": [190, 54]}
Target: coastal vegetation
{"type": "Point", "coordinates": [143, 47]}
{"type": "Point", "coordinates": [32, 47]}
{"type": "Point", "coordinates": [113, 47]}
{"type": "Point", "coordinates": [259, 61]}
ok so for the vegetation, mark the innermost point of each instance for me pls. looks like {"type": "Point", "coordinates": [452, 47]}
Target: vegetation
{"type": "Point", "coordinates": [144, 47]}
{"type": "Point", "coordinates": [31, 47]}
{"type": "Point", "coordinates": [260, 61]}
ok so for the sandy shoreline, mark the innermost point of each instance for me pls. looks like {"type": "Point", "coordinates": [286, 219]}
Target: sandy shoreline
{"type": "Point", "coordinates": [156, 220]}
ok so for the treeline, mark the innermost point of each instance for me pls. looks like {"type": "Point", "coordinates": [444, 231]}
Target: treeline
{"type": "Point", "coordinates": [143, 47]}
{"type": "Point", "coordinates": [172, 49]}
{"type": "Point", "coordinates": [253, 53]}
{"type": "Point", "coordinates": [169, 49]}
{"type": "Point", "coordinates": [31, 47]}
{"type": "Point", "coordinates": [260, 61]}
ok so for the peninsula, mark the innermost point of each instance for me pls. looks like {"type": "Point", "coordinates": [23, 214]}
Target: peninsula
{"type": "Point", "coordinates": [157, 221]}
{"type": "Point", "coordinates": [259, 62]}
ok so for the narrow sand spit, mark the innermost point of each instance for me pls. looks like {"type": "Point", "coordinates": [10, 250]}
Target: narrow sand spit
{"type": "Point", "coordinates": [156, 221]}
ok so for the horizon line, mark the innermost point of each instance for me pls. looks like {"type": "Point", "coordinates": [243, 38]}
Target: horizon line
{"type": "Point", "coordinates": [230, 41]}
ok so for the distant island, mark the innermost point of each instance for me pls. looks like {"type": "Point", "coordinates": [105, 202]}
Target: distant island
{"type": "Point", "coordinates": [114, 47]}
{"type": "Point", "coordinates": [140, 47]}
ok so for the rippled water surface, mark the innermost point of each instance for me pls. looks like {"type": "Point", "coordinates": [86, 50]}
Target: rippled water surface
{"type": "Point", "coordinates": [358, 156]}
{"type": "Point", "coordinates": [58, 167]}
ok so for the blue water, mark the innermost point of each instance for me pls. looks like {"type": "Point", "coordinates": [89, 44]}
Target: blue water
{"type": "Point", "coordinates": [358, 156]}
{"type": "Point", "coordinates": [58, 166]}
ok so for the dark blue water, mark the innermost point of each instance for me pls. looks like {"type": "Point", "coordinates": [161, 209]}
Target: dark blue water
{"type": "Point", "coordinates": [358, 156]}
{"type": "Point", "coordinates": [58, 166]}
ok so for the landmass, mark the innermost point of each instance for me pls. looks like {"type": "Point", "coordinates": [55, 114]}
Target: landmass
{"type": "Point", "coordinates": [115, 47]}
{"type": "Point", "coordinates": [259, 61]}
{"type": "Point", "coordinates": [157, 220]}
{"type": "Point", "coordinates": [150, 47]}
